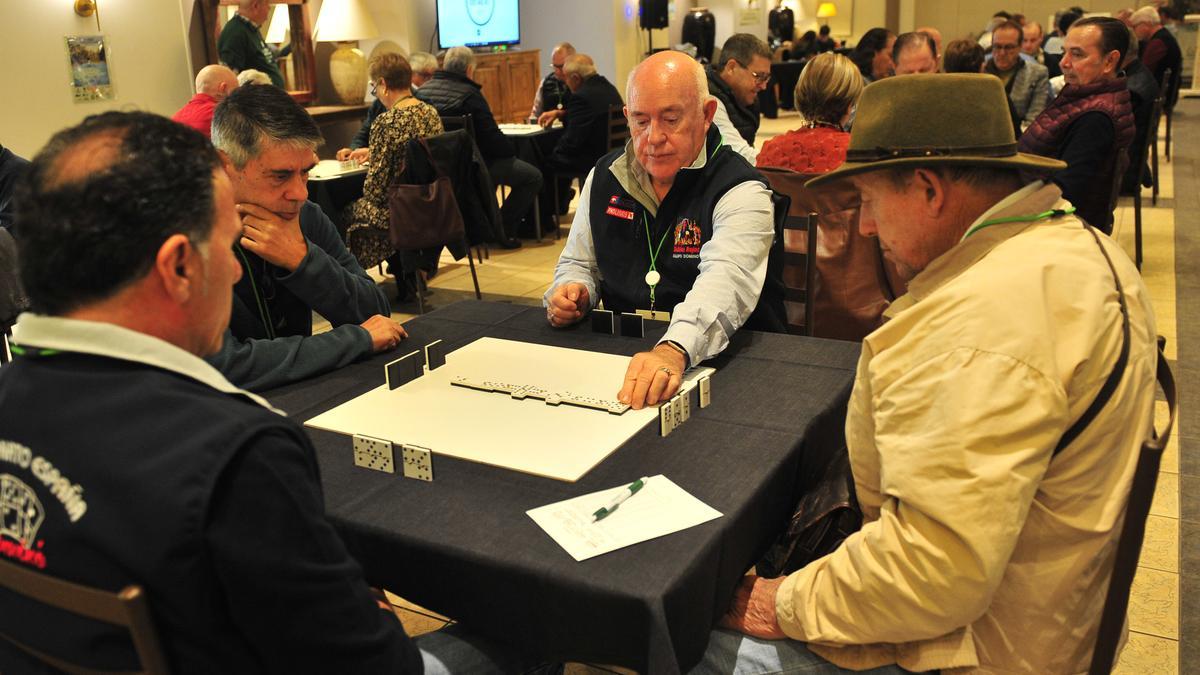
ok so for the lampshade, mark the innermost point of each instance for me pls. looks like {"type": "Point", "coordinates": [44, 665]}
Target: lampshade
{"type": "Point", "coordinates": [277, 29]}
{"type": "Point", "coordinates": [826, 10]}
{"type": "Point", "coordinates": [343, 21]}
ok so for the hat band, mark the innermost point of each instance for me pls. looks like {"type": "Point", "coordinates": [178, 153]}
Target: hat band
{"type": "Point", "coordinates": [880, 153]}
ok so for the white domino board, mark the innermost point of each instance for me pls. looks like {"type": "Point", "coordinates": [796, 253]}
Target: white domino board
{"type": "Point", "coordinates": [527, 435]}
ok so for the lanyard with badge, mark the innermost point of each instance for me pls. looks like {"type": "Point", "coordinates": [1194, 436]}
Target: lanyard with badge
{"type": "Point", "coordinates": [1052, 213]}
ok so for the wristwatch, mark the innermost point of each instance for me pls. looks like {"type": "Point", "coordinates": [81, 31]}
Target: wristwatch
{"type": "Point", "coordinates": [687, 360]}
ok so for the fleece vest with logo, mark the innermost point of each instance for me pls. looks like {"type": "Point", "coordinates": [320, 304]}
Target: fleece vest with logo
{"type": "Point", "coordinates": [684, 224]}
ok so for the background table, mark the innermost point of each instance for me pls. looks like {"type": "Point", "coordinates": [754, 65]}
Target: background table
{"type": "Point", "coordinates": [463, 546]}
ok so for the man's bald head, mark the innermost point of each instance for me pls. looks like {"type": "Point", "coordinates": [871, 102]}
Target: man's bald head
{"type": "Point", "coordinates": [673, 71]}
{"type": "Point", "coordinates": [255, 10]}
{"type": "Point", "coordinates": [216, 81]}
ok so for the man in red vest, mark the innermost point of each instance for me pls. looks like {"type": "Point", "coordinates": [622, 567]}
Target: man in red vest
{"type": "Point", "coordinates": [213, 84]}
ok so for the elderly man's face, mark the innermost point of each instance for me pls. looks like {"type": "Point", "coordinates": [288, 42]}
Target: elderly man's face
{"type": "Point", "coordinates": [1033, 40]}
{"type": "Point", "coordinates": [211, 305]}
{"type": "Point", "coordinates": [746, 81]}
{"type": "Point", "coordinates": [892, 215]}
{"type": "Point", "coordinates": [277, 179]}
{"type": "Point", "coordinates": [914, 60]}
{"type": "Point", "coordinates": [667, 122]}
{"type": "Point", "coordinates": [557, 58]}
{"type": "Point", "coordinates": [1084, 60]}
{"type": "Point", "coordinates": [1144, 30]}
{"type": "Point", "coordinates": [1006, 48]}
{"type": "Point", "coordinates": [260, 12]}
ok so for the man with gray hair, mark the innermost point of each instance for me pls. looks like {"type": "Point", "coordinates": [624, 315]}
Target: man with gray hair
{"type": "Point", "coordinates": [675, 180]}
{"type": "Point", "coordinates": [1160, 51]}
{"type": "Point", "coordinates": [293, 259]}
{"type": "Point", "coordinates": [744, 70]}
{"type": "Point", "coordinates": [423, 66]}
{"type": "Point", "coordinates": [454, 93]}
{"type": "Point", "coordinates": [241, 45]}
{"type": "Point", "coordinates": [585, 138]}
{"type": "Point", "coordinates": [213, 84]}
{"type": "Point", "coordinates": [553, 94]}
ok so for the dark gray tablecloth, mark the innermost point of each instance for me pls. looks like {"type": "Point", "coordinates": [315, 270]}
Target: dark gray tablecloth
{"type": "Point", "coordinates": [463, 546]}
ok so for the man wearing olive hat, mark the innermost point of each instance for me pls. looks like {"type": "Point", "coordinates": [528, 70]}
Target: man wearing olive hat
{"type": "Point", "coordinates": [992, 501]}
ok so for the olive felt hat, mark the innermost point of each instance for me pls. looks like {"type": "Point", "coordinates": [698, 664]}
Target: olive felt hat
{"type": "Point", "coordinates": [922, 120]}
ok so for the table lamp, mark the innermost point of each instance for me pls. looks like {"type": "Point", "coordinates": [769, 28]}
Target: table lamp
{"type": "Point", "coordinates": [277, 27]}
{"type": "Point", "coordinates": [344, 22]}
{"type": "Point", "coordinates": [826, 10]}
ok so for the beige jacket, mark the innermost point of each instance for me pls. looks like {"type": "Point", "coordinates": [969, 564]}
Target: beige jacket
{"type": "Point", "coordinates": [979, 554]}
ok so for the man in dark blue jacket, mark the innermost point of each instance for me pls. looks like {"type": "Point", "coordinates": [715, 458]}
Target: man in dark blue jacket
{"type": "Point", "coordinates": [454, 93]}
{"type": "Point", "coordinates": [586, 119]}
{"type": "Point", "coordinates": [126, 459]}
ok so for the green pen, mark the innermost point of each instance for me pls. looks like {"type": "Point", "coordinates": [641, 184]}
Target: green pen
{"type": "Point", "coordinates": [630, 490]}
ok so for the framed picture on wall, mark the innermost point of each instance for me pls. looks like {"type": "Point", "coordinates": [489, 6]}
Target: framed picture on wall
{"type": "Point", "coordinates": [91, 79]}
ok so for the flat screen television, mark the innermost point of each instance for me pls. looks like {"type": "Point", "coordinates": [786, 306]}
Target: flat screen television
{"type": "Point", "coordinates": [478, 23]}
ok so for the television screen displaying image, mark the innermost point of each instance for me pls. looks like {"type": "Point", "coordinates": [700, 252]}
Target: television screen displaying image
{"type": "Point", "coordinates": [478, 23]}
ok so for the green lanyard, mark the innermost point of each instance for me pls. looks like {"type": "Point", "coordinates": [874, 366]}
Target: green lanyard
{"type": "Point", "coordinates": [653, 277]}
{"type": "Point", "coordinates": [264, 312]}
{"type": "Point", "coordinates": [32, 352]}
{"type": "Point", "coordinates": [1052, 213]}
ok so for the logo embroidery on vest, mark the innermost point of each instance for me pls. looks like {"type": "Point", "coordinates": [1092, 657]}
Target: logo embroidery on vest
{"type": "Point", "coordinates": [21, 514]}
{"type": "Point", "coordinates": [621, 208]}
{"type": "Point", "coordinates": [687, 239]}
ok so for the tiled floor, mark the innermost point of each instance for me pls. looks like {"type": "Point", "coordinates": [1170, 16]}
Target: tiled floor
{"type": "Point", "coordinates": [523, 275]}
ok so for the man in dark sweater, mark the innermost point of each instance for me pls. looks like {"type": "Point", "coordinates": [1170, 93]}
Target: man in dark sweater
{"type": "Point", "coordinates": [1090, 124]}
{"type": "Point", "coordinates": [1160, 51]}
{"type": "Point", "coordinates": [744, 70]}
{"type": "Point", "coordinates": [293, 260]}
{"type": "Point", "coordinates": [241, 45]}
{"type": "Point", "coordinates": [585, 138]}
{"type": "Point", "coordinates": [126, 459]}
{"type": "Point", "coordinates": [454, 93]}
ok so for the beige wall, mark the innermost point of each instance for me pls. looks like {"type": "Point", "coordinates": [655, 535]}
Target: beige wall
{"type": "Point", "coordinates": [147, 59]}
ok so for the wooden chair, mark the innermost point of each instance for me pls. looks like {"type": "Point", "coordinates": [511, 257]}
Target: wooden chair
{"type": "Point", "coordinates": [793, 259]}
{"type": "Point", "coordinates": [1129, 544]}
{"type": "Point", "coordinates": [618, 134]}
{"type": "Point", "coordinates": [127, 608]}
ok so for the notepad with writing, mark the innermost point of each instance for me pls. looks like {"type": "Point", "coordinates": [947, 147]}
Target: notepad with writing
{"type": "Point", "coordinates": [659, 508]}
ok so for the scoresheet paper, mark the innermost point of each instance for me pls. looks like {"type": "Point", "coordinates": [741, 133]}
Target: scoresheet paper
{"type": "Point", "coordinates": [659, 508]}
{"type": "Point", "coordinates": [562, 442]}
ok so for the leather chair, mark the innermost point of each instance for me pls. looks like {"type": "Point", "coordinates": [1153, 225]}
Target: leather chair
{"type": "Point", "coordinates": [127, 608]}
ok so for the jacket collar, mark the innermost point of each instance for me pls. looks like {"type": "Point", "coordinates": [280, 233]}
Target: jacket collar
{"type": "Point", "coordinates": [632, 176]}
{"type": "Point", "coordinates": [455, 77]}
{"type": "Point", "coordinates": [1078, 91]}
{"type": "Point", "coordinates": [112, 341]}
{"type": "Point", "coordinates": [1035, 198]}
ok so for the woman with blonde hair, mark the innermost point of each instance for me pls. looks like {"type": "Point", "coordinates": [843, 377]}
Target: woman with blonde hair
{"type": "Point", "coordinates": [826, 93]}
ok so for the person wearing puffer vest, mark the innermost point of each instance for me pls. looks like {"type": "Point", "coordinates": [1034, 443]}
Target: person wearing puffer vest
{"type": "Point", "coordinates": [1090, 124]}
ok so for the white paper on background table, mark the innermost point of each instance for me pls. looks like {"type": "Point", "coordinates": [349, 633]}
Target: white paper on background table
{"type": "Point", "coordinates": [659, 508]}
{"type": "Point", "coordinates": [514, 129]}
{"type": "Point", "coordinates": [562, 442]}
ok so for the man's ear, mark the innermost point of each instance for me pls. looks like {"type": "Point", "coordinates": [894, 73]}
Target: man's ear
{"type": "Point", "coordinates": [710, 110]}
{"type": "Point", "coordinates": [176, 265]}
{"type": "Point", "coordinates": [932, 188]}
{"type": "Point", "coordinates": [730, 65]}
{"type": "Point", "coordinates": [227, 163]}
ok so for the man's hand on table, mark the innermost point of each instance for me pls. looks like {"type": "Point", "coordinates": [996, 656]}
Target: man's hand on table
{"type": "Point", "coordinates": [547, 118]}
{"type": "Point", "coordinates": [271, 237]}
{"type": "Point", "coordinates": [753, 609]}
{"type": "Point", "coordinates": [568, 303]}
{"type": "Point", "coordinates": [652, 377]}
{"type": "Point", "coordinates": [360, 155]}
{"type": "Point", "coordinates": [385, 333]}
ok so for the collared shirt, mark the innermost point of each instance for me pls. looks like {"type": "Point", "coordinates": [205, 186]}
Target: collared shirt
{"type": "Point", "coordinates": [733, 264]}
{"type": "Point", "coordinates": [113, 341]}
{"type": "Point", "coordinates": [980, 550]}
{"type": "Point", "coordinates": [730, 135]}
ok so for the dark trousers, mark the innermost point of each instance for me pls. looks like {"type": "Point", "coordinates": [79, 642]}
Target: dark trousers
{"type": "Point", "coordinates": [524, 180]}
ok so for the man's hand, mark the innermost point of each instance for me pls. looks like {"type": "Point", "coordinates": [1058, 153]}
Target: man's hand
{"type": "Point", "coordinates": [272, 238]}
{"type": "Point", "coordinates": [568, 303]}
{"type": "Point", "coordinates": [652, 377]}
{"type": "Point", "coordinates": [361, 155]}
{"type": "Point", "coordinates": [547, 118]}
{"type": "Point", "coordinates": [385, 333]}
{"type": "Point", "coordinates": [753, 609]}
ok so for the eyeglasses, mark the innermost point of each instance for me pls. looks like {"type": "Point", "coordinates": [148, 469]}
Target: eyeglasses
{"type": "Point", "coordinates": [372, 88]}
{"type": "Point", "coordinates": [1004, 48]}
{"type": "Point", "coordinates": [759, 78]}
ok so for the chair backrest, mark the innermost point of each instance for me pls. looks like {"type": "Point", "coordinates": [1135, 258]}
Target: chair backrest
{"type": "Point", "coordinates": [453, 122]}
{"type": "Point", "coordinates": [1129, 543]}
{"type": "Point", "coordinates": [127, 608]}
{"type": "Point", "coordinates": [793, 264]}
{"type": "Point", "coordinates": [853, 283]}
{"type": "Point", "coordinates": [618, 127]}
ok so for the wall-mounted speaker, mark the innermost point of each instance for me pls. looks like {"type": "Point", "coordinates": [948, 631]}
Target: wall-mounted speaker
{"type": "Point", "coordinates": [653, 13]}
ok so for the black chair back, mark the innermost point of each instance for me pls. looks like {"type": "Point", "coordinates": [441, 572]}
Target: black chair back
{"type": "Point", "coordinates": [618, 127]}
{"type": "Point", "coordinates": [455, 122]}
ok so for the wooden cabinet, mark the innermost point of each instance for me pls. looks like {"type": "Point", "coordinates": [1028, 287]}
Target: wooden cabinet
{"type": "Point", "coordinates": [510, 81]}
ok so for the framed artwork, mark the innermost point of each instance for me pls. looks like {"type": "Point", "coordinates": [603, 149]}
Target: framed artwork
{"type": "Point", "coordinates": [91, 79]}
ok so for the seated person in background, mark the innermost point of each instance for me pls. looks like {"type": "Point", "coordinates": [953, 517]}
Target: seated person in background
{"type": "Point", "coordinates": [1160, 50]}
{"type": "Point", "coordinates": [293, 260]}
{"type": "Point", "coordinates": [936, 36]}
{"type": "Point", "coordinates": [675, 180]}
{"type": "Point", "coordinates": [1027, 83]}
{"type": "Point", "coordinates": [213, 83]}
{"type": "Point", "coordinates": [827, 91]}
{"type": "Point", "coordinates": [825, 42]}
{"type": "Point", "coordinates": [241, 45]}
{"type": "Point", "coordinates": [744, 71]}
{"type": "Point", "coordinates": [12, 167]}
{"type": "Point", "coordinates": [453, 93]}
{"type": "Point", "coordinates": [406, 118]}
{"type": "Point", "coordinates": [423, 65]}
{"type": "Point", "coordinates": [1143, 90]}
{"type": "Point", "coordinates": [873, 54]}
{"type": "Point", "coordinates": [983, 549]}
{"type": "Point", "coordinates": [195, 490]}
{"type": "Point", "coordinates": [585, 138]}
{"type": "Point", "coordinates": [964, 56]}
{"type": "Point", "coordinates": [252, 76]}
{"type": "Point", "coordinates": [803, 48]}
{"type": "Point", "coordinates": [1090, 124]}
{"type": "Point", "coordinates": [915, 53]}
{"type": "Point", "coordinates": [553, 94]}
{"type": "Point", "coordinates": [1031, 42]}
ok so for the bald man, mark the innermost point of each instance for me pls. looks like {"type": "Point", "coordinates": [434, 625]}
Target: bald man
{"type": "Point", "coordinates": [241, 44]}
{"type": "Point", "coordinates": [213, 84]}
{"type": "Point", "coordinates": [936, 35]}
{"type": "Point", "coordinates": [676, 223]}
